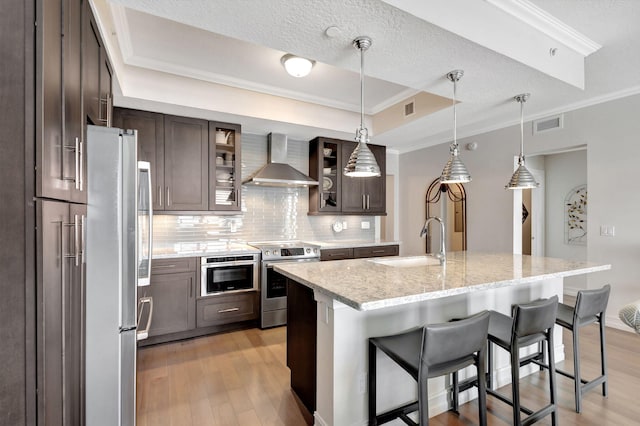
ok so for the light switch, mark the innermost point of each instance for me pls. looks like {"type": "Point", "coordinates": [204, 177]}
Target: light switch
{"type": "Point", "coordinates": [607, 230]}
{"type": "Point", "coordinates": [365, 224]}
{"type": "Point", "coordinates": [344, 224]}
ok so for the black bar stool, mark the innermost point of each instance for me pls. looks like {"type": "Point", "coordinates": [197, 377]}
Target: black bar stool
{"type": "Point", "coordinates": [531, 323]}
{"type": "Point", "coordinates": [431, 351]}
{"type": "Point", "coordinates": [590, 308]}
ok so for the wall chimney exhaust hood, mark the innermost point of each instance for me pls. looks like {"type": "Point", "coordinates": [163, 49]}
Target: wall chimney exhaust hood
{"type": "Point", "coordinates": [277, 172]}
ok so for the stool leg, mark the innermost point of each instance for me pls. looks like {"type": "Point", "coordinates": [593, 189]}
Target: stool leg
{"type": "Point", "coordinates": [423, 395]}
{"type": "Point", "coordinates": [552, 376]}
{"type": "Point", "coordinates": [456, 391]}
{"type": "Point", "coordinates": [482, 387]}
{"type": "Point", "coordinates": [373, 421]}
{"type": "Point", "coordinates": [515, 383]}
{"type": "Point", "coordinates": [489, 365]}
{"type": "Point", "coordinates": [603, 356]}
{"type": "Point", "coordinates": [576, 368]}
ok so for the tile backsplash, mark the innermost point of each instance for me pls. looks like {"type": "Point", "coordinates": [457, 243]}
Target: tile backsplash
{"type": "Point", "coordinates": [268, 213]}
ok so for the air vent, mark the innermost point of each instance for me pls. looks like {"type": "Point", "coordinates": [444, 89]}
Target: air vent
{"type": "Point", "coordinates": [548, 124]}
{"type": "Point", "coordinates": [409, 109]}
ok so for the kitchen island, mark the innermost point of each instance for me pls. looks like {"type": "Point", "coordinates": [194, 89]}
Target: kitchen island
{"type": "Point", "coordinates": [361, 298]}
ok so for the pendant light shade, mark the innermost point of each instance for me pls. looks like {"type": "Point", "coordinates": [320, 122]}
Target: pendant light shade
{"type": "Point", "coordinates": [455, 171]}
{"type": "Point", "coordinates": [362, 162]}
{"type": "Point", "coordinates": [522, 177]}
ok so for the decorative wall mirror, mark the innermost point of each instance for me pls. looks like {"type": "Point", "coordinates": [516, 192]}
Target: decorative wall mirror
{"type": "Point", "coordinates": [449, 201]}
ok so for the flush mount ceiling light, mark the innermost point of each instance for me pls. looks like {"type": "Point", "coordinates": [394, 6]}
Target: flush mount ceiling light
{"type": "Point", "coordinates": [455, 171]}
{"type": "Point", "coordinates": [362, 162]}
{"type": "Point", "coordinates": [297, 66]}
{"type": "Point", "coordinates": [522, 177]}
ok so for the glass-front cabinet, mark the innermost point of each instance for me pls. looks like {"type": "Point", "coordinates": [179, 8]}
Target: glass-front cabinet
{"type": "Point", "coordinates": [325, 166]}
{"type": "Point", "coordinates": [224, 166]}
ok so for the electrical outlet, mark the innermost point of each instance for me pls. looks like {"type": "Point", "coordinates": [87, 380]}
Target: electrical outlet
{"type": "Point", "coordinates": [607, 230]}
{"type": "Point", "coordinates": [344, 224]}
{"type": "Point", "coordinates": [362, 383]}
{"type": "Point", "coordinates": [365, 224]}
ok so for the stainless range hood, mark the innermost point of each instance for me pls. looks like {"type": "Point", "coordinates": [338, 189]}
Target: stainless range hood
{"type": "Point", "coordinates": [277, 172]}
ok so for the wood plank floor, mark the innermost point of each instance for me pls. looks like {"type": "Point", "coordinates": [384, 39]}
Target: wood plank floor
{"type": "Point", "coordinates": [241, 378]}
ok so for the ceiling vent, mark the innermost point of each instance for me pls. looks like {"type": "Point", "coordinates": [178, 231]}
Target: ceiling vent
{"type": "Point", "coordinates": [548, 124]}
{"type": "Point", "coordinates": [409, 108]}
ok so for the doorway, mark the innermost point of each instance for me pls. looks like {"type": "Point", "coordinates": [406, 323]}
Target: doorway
{"type": "Point", "coordinates": [448, 201]}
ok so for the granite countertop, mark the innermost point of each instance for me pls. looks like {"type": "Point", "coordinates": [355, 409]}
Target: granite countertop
{"type": "Point", "coordinates": [335, 244]}
{"type": "Point", "coordinates": [202, 249]}
{"type": "Point", "coordinates": [367, 284]}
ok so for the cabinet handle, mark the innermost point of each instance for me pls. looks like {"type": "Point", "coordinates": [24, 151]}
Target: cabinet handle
{"type": "Point", "coordinates": [364, 202]}
{"type": "Point", "coordinates": [77, 158]}
{"type": "Point", "coordinates": [159, 195]}
{"type": "Point", "coordinates": [107, 101]}
{"type": "Point", "coordinates": [83, 237]}
{"type": "Point", "coordinates": [377, 251]}
{"type": "Point", "coordinates": [109, 105]}
{"type": "Point", "coordinates": [144, 333]}
{"type": "Point", "coordinates": [168, 197]}
{"type": "Point", "coordinates": [164, 266]}
{"type": "Point", "coordinates": [80, 176]}
{"type": "Point", "coordinates": [76, 239]}
{"type": "Point", "coordinates": [368, 204]}
{"type": "Point", "coordinates": [224, 311]}
{"type": "Point", "coordinates": [190, 287]}
{"type": "Point", "coordinates": [73, 148]}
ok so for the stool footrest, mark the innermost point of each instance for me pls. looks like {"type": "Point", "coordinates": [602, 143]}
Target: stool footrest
{"type": "Point", "coordinates": [509, 401]}
{"type": "Point", "coordinates": [593, 383]}
{"type": "Point", "coordinates": [538, 415]}
{"type": "Point", "coordinates": [397, 412]}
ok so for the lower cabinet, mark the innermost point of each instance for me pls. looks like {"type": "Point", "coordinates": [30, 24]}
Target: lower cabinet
{"type": "Point", "coordinates": [226, 309]}
{"type": "Point", "coordinates": [359, 252]}
{"type": "Point", "coordinates": [173, 289]}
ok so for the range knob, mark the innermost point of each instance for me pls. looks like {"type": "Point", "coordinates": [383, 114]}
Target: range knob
{"type": "Point", "coordinates": [315, 251]}
{"type": "Point", "coordinates": [308, 250]}
{"type": "Point", "coordinates": [266, 252]}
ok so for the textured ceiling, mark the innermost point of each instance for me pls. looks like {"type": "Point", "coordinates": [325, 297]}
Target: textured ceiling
{"type": "Point", "coordinates": [408, 55]}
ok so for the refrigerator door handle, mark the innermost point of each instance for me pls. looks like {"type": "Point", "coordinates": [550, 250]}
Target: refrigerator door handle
{"type": "Point", "coordinates": [144, 333]}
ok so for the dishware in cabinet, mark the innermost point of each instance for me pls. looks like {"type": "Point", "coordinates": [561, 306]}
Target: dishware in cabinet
{"type": "Point", "coordinates": [324, 165]}
{"type": "Point", "coordinates": [224, 166]}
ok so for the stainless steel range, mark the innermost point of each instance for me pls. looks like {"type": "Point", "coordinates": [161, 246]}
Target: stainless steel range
{"type": "Point", "coordinates": [273, 286]}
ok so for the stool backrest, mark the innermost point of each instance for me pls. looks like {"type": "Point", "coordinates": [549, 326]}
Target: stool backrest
{"type": "Point", "coordinates": [535, 317]}
{"type": "Point", "coordinates": [592, 302]}
{"type": "Point", "coordinates": [454, 340]}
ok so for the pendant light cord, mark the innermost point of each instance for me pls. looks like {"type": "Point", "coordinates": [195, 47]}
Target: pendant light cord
{"type": "Point", "coordinates": [455, 116]}
{"type": "Point", "coordinates": [362, 130]}
{"type": "Point", "coordinates": [522, 101]}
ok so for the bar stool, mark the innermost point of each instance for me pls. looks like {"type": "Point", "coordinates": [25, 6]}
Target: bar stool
{"type": "Point", "coordinates": [531, 323]}
{"type": "Point", "coordinates": [431, 351]}
{"type": "Point", "coordinates": [590, 308]}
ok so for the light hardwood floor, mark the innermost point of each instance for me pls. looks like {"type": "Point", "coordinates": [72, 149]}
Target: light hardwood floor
{"type": "Point", "coordinates": [241, 378]}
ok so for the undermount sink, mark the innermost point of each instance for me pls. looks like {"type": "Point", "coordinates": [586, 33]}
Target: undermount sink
{"type": "Point", "coordinates": [407, 262]}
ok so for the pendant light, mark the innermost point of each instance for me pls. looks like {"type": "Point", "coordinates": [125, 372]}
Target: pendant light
{"type": "Point", "coordinates": [522, 177]}
{"type": "Point", "coordinates": [362, 162]}
{"type": "Point", "coordinates": [455, 171]}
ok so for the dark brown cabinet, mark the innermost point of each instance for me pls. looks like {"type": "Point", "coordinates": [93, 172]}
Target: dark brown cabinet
{"type": "Point", "coordinates": [227, 308]}
{"type": "Point", "coordinates": [60, 312]}
{"type": "Point", "coordinates": [359, 252]}
{"type": "Point", "coordinates": [364, 195]}
{"type": "Point", "coordinates": [339, 194]}
{"type": "Point", "coordinates": [173, 289]}
{"type": "Point", "coordinates": [224, 166]}
{"type": "Point", "coordinates": [186, 163]}
{"type": "Point", "coordinates": [150, 127]}
{"type": "Point", "coordinates": [195, 164]}
{"type": "Point", "coordinates": [96, 73]}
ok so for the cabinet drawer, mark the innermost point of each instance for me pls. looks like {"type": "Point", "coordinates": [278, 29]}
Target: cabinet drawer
{"type": "Point", "coordinates": [173, 266]}
{"type": "Point", "coordinates": [376, 251]}
{"type": "Point", "coordinates": [336, 254]}
{"type": "Point", "coordinates": [222, 309]}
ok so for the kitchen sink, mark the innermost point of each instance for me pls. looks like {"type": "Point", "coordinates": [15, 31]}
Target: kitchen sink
{"type": "Point", "coordinates": [407, 262]}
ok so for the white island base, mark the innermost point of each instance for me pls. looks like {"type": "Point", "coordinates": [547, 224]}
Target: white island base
{"type": "Point", "coordinates": [342, 397]}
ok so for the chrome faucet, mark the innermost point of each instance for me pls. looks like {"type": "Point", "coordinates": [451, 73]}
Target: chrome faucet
{"type": "Point", "coordinates": [442, 255]}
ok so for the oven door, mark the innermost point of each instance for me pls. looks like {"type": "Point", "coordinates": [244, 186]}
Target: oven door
{"type": "Point", "coordinates": [274, 285]}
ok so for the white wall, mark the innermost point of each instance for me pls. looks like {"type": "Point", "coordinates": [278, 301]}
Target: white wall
{"type": "Point", "coordinates": [564, 172]}
{"type": "Point", "coordinates": [609, 130]}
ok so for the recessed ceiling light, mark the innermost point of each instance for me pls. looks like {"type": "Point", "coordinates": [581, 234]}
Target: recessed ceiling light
{"type": "Point", "coordinates": [297, 66]}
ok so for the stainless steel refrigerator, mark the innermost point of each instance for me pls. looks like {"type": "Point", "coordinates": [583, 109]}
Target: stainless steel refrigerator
{"type": "Point", "coordinates": [118, 255]}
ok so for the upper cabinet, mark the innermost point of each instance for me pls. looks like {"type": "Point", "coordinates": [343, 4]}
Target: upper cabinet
{"type": "Point", "coordinates": [339, 194]}
{"type": "Point", "coordinates": [224, 166]}
{"type": "Point", "coordinates": [195, 164]}
{"type": "Point", "coordinates": [73, 88]}
{"type": "Point", "coordinates": [150, 127]}
{"type": "Point", "coordinates": [96, 74]}
{"type": "Point", "coordinates": [186, 163]}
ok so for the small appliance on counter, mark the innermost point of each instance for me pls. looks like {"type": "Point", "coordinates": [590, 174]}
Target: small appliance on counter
{"type": "Point", "coordinates": [119, 247]}
{"type": "Point", "coordinates": [273, 286]}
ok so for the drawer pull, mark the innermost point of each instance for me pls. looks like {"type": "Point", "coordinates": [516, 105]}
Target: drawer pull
{"type": "Point", "coordinates": [224, 311]}
{"type": "Point", "coordinates": [378, 251]}
{"type": "Point", "coordinates": [164, 266]}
